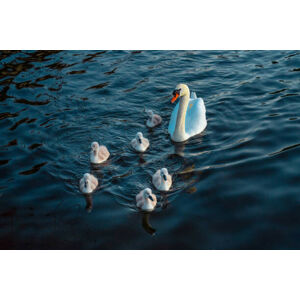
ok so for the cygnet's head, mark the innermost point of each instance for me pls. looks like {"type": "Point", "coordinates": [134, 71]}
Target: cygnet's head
{"type": "Point", "coordinates": [149, 113]}
{"type": "Point", "coordinates": [95, 147]}
{"type": "Point", "coordinates": [180, 91]}
{"type": "Point", "coordinates": [86, 177]}
{"type": "Point", "coordinates": [164, 173]}
{"type": "Point", "coordinates": [139, 137]}
{"type": "Point", "coordinates": [148, 193]}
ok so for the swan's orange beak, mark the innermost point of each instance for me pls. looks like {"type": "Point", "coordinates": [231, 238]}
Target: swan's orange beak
{"type": "Point", "coordinates": [175, 96]}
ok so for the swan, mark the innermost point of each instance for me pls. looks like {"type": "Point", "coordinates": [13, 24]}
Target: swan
{"type": "Point", "coordinates": [98, 154]}
{"type": "Point", "coordinates": [189, 115]}
{"type": "Point", "coordinates": [154, 119]}
{"type": "Point", "coordinates": [88, 183]}
{"type": "Point", "coordinates": [139, 143]}
{"type": "Point", "coordinates": [162, 180]}
{"type": "Point", "coordinates": [146, 200]}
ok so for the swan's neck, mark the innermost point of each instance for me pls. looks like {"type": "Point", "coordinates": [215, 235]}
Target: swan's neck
{"type": "Point", "coordinates": [179, 132]}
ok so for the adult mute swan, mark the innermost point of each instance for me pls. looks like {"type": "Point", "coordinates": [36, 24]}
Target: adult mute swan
{"type": "Point", "coordinates": [88, 183]}
{"type": "Point", "coordinates": [189, 115]}
{"type": "Point", "coordinates": [162, 180]}
{"type": "Point", "coordinates": [146, 200]}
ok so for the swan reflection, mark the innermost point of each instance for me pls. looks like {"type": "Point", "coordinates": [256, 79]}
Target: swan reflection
{"type": "Point", "coordinates": [146, 225]}
{"type": "Point", "coordinates": [89, 202]}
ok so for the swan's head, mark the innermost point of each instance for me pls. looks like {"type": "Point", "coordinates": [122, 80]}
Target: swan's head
{"type": "Point", "coordinates": [164, 173]}
{"type": "Point", "coordinates": [86, 176]}
{"type": "Point", "coordinates": [147, 194]}
{"type": "Point", "coordinates": [180, 91]}
{"type": "Point", "coordinates": [149, 112]}
{"type": "Point", "coordinates": [95, 147]}
{"type": "Point", "coordinates": [139, 137]}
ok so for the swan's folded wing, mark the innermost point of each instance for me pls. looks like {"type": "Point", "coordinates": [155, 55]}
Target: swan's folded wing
{"type": "Point", "coordinates": [156, 179]}
{"type": "Point", "coordinates": [156, 119]}
{"type": "Point", "coordinates": [103, 153]}
{"type": "Point", "coordinates": [145, 142]}
{"type": "Point", "coordinates": [94, 181]}
{"type": "Point", "coordinates": [195, 121]}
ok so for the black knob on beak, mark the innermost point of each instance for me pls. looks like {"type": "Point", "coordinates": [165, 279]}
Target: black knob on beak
{"type": "Point", "coordinates": [139, 140]}
{"type": "Point", "coordinates": [165, 177]}
{"type": "Point", "coordinates": [176, 92]}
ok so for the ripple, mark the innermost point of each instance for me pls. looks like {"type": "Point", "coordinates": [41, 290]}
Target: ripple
{"type": "Point", "coordinates": [24, 101]}
{"type": "Point", "coordinates": [34, 169]}
{"type": "Point", "coordinates": [277, 92]}
{"type": "Point", "coordinates": [284, 149]}
{"type": "Point", "coordinates": [98, 86]}
{"type": "Point", "coordinates": [18, 123]}
{"type": "Point", "coordinates": [7, 115]}
{"type": "Point", "coordinates": [34, 146]}
{"type": "Point", "coordinates": [77, 72]}
{"type": "Point", "coordinates": [4, 162]}
{"type": "Point", "coordinates": [111, 72]}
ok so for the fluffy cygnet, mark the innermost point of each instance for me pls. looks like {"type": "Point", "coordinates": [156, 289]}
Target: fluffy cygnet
{"type": "Point", "coordinates": [162, 180]}
{"type": "Point", "coordinates": [145, 200]}
{"type": "Point", "coordinates": [88, 183]}
{"type": "Point", "coordinates": [153, 120]}
{"type": "Point", "coordinates": [98, 154]}
{"type": "Point", "coordinates": [139, 143]}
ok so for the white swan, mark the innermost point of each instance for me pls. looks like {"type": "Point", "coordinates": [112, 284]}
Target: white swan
{"type": "Point", "coordinates": [88, 183]}
{"type": "Point", "coordinates": [162, 180]}
{"type": "Point", "coordinates": [139, 143]}
{"type": "Point", "coordinates": [154, 119]}
{"type": "Point", "coordinates": [189, 115]}
{"type": "Point", "coordinates": [98, 154]}
{"type": "Point", "coordinates": [146, 200]}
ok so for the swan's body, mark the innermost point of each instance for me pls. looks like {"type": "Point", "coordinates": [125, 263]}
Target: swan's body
{"type": "Point", "coordinates": [88, 183]}
{"type": "Point", "coordinates": [145, 200]}
{"type": "Point", "coordinates": [139, 143]}
{"type": "Point", "coordinates": [162, 180]}
{"type": "Point", "coordinates": [98, 154]}
{"type": "Point", "coordinates": [153, 120]}
{"type": "Point", "coordinates": [189, 115]}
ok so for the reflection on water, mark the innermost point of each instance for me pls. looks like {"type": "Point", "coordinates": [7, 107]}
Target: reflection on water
{"type": "Point", "coordinates": [146, 225]}
{"type": "Point", "coordinates": [89, 202]}
{"type": "Point", "coordinates": [235, 186]}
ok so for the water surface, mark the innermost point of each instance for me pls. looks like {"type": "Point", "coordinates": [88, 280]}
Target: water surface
{"type": "Point", "coordinates": [236, 186]}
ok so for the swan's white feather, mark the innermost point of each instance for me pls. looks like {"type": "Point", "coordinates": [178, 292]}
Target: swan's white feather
{"type": "Point", "coordinates": [195, 121]}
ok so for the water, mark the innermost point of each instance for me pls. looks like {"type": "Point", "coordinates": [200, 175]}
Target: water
{"type": "Point", "coordinates": [236, 186]}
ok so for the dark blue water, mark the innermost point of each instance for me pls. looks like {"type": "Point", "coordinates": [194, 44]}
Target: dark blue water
{"type": "Point", "coordinates": [235, 187]}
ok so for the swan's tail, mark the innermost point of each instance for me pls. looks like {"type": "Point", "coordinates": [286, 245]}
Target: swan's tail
{"type": "Point", "coordinates": [193, 95]}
